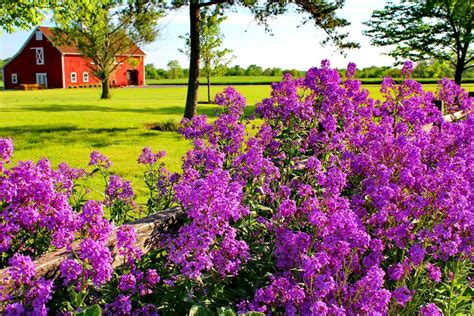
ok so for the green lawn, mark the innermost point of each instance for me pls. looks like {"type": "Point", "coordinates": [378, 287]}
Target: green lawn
{"type": "Point", "coordinates": [219, 80]}
{"type": "Point", "coordinates": [66, 125]}
{"type": "Point", "coordinates": [264, 80]}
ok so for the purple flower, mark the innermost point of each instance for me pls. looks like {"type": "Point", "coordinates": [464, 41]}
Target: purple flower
{"type": "Point", "coordinates": [121, 306]}
{"type": "Point", "coordinates": [22, 269]}
{"type": "Point", "coordinates": [407, 69]}
{"type": "Point", "coordinates": [402, 295]}
{"type": "Point", "coordinates": [99, 258]}
{"type": "Point", "coordinates": [430, 310]}
{"type": "Point", "coordinates": [127, 283]}
{"type": "Point", "coordinates": [97, 159]}
{"type": "Point", "coordinates": [6, 151]}
{"type": "Point", "coordinates": [231, 100]}
{"type": "Point", "coordinates": [146, 310]}
{"type": "Point", "coordinates": [15, 309]}
{"type": "Point", "coordinates": [39, 294]}
{"type": "Point", "coordinates": [148, 157]}
{"type": "Point", "coordinates": [417, 254]}
{"type": "Point", "coordinates": [70, 270]}
{"type": "Point", "coordinates": [152, 277]}
{"type": "Point", "coordinates": [287, 208]}
{"type": "Point", "coordinates": [92, 221]}
{"type": "Point", "coordinates": [119, 190]}
{"type": "Point", "coordinates": [350, 71]}
{"type": "Point", "coordinates": [434, 272]}
{"type": "Point", "coordinates": [126, 239]}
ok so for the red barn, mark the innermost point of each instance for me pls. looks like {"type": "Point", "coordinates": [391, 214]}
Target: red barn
{"type": "Point", "coordinates": [55, 65]}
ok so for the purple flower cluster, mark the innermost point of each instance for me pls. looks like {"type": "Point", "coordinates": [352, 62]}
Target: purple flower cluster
{"type": "Point", "coordinates": [119, 190]}
{"type": "Point", "coordinates": [341, 183]}
{"type": "Point", "coordinates": [343, 205]}
{"type": "Point", "coordinates": [455, 98]}
{"type": "Point", "coordinates": [358, 181]}
{"type": "Point", "coordinates": [209, 241]}
{"type": "Point", "coordinates": [148, 157]}
{"type": "Point", "coordinates": [99, 160]}
{"type": "Point", "coordinates": [36, 198]}
{"type": "Point", "coordinates": [6, 151]}
{"type": "Point", "coordinates": [30, 295]}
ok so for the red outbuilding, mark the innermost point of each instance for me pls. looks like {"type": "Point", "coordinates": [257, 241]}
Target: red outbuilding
{"type": "Point", "coordinates": [55, 65]}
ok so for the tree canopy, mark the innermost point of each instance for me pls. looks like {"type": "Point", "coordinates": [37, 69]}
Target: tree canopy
{"type": "Point", "coordinates": [427, 29]}
{"type": "Point", "coordinates": [22, 14]}
{"type": "Point", "coordinates": [321, 12]}
{"type": "Point", "coordinates": [107, 31]}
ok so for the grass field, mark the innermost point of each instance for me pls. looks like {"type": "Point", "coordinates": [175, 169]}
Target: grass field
{"type": "Point", "coordinates": [220, 80]}
{"type": "Point", "coordinates": [66, 125]}
{"type": "Point", "coordinates": [265, 80]}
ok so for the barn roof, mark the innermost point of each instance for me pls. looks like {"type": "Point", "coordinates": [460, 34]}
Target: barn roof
{"type": "Point", "coordinates": [71, 49]}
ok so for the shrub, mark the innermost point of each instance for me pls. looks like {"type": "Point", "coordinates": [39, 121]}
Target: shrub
{"type": "Point", "coordinates": [164, 126]}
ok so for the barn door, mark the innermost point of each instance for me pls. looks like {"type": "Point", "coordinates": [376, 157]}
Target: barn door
{"type": "Point", "coordinates": [42, 79]}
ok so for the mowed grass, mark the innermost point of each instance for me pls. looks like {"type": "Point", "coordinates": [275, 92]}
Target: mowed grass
{"type": "Point", "coordinates": [234, 80]}
{"type": "Point", "coordinates": [66, 125]}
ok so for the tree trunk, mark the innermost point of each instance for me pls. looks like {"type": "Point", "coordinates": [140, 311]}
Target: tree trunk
{"type": "Point", "coordinates": [458, 72]}
{"type": "Point", "coordinates": [460, 63]}
{"type": "Point", "coordinates": [105, 89]}
{"type": "Point", "coordinates": [193, 80]}
{"type": "Point", "coordinates": [208, 89]}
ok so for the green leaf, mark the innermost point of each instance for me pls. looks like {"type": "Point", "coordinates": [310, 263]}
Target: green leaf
{"type": "Point", "coordinates": [254, 314]}
{"type": "Point", "coordinates": [197, 310]}
{"type": "Point", "coordinates": [93, 310]}
{"type": "Point", "coordinates": [225, 311]}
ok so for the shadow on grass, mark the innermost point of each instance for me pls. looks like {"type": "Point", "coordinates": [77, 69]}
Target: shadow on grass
{"type": "Point", "coordinates": [94, 108]}
{"type": "Point", "coordinates": [52, 128]}
{"type": "Point", "coordinates": [164, 110]}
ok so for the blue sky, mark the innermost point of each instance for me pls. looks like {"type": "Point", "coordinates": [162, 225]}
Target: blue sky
{"type": "Point", "coordinates": [290, 45]}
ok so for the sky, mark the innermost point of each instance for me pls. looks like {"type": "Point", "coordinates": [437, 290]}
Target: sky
{"type": "Point", "coordinates": [289, 46]}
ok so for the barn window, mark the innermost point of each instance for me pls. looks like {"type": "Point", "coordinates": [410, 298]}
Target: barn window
{"type": "Point", "coordinates": [39, 56]}
{"type": "Point", "coordinates": [14, 78]}
{"type": "Point", "coordinates": [73, 77]}
{"type": "Point", "coordinates": [39, 35]}
{"type": "Point", "coordinates": [85, 76]}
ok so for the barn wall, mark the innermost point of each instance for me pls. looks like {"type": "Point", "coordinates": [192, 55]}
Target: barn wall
{"type": "Point", "coordinates": [77, 64]}
{"type": "Point", "coordinates": [120, 76]}
{"type": "Point", "coordinates": [24, 65]}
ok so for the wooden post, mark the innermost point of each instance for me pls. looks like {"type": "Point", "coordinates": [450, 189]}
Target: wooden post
{"type": "Point", "coordinates": [440, 105]}
{"type": "Point", "coordinates": [148, 232]}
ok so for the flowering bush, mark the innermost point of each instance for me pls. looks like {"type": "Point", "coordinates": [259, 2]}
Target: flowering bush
{"type": "Point", "coordinates": [337, 204]}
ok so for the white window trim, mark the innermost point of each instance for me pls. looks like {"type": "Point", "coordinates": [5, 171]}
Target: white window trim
{"type": "Point", "coordinates": [39, 36]}
{"type": "Point", "coordinates": [73, 77]}
{"type": "Point", "coordinates": [14, 78]}
{"type": "Point", "coordinates": [85, 77]}
{"type": "Point", "coordinates": [39, 56]}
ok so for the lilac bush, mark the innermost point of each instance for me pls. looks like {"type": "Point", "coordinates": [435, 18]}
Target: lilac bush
{"type": "Point", "coordinates": [332, 204]}
{"type": "Point", "coordinates": [359, 204]}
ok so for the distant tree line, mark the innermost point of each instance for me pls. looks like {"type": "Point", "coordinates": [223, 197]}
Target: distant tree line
{"type": "Point", "coordinates": [175, 71]}
{"type": "Point", "coordinates": [425, 69]}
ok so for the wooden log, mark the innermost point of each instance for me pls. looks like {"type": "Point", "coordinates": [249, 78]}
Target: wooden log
{"type": "Point", "coordinates": [149, 232]}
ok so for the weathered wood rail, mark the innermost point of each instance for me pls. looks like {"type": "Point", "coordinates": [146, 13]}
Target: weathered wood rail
{"type": "Point", "coordinates": [149, 232]}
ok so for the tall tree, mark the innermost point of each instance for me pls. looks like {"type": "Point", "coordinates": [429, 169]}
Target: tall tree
{"type": "Point", "coordinates": [107, 31]}
{"type": "Point", "coordinates": [174, 70]}
{"type": "Point", "coordinates": [427, 29]}
{"type": "Point", "coordinates": [321, 12]}
{"type": "Point", "coordinates": [214, 59]}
